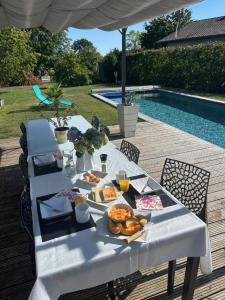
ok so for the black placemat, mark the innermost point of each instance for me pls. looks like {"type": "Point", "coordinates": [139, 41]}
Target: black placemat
{"type": "Point", "coordinates": [47, 169]}
{"type": "Point", "coordinates": [131, 195]}
{"type": "Point", "coordinates": [60, 226]}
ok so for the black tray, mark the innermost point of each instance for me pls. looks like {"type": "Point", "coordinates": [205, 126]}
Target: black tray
{"type": "Point", "coordinates": [47, 169]}
{"type": "Point", "coordinates": [131, 195]}
{"type": "Point", "coordinates": [60, 226]}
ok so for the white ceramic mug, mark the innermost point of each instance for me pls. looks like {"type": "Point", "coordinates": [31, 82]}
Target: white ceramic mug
{"type": "Point", "coordinates": [82, 213]}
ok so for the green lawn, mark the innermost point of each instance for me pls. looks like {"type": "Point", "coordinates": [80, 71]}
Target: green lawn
{"type": "Point", "coordinates": [21, 105]}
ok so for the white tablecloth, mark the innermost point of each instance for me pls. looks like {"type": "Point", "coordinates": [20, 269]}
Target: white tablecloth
{"type": "Point", "coordinates": [84, 259]}
{"type": "Point", "coordinates": [41, 138]}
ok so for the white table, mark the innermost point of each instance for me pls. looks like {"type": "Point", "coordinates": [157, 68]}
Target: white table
{"type": "Point", "coordinates": [84, 259]}
{"type": "Point", "coordinates": [41, 138]}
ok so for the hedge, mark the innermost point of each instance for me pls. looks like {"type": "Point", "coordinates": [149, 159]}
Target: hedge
{"type": "Point", "coordinates": [200, 67]}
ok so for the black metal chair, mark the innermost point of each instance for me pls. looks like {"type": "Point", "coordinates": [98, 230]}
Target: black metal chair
{"type": "Point", "coordinates": [24, 169]}
{"type": "Point", "coordinates": [23, 128]}
{"type": "Point", "coordinates": [26, 222]}
{"type": "Point", "coordinates": [95, 122]}
{"type": "Point", "coordinates": [23, 144]}
{"type": "Point", "coordinates": [130, 151]}
{"type": "Point", "coordinates": [189, 184]}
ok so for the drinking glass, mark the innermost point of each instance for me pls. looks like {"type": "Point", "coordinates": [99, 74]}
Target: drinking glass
{"type": "Point", "coordinates": [124, 184]}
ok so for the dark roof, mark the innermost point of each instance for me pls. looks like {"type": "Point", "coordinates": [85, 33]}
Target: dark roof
{"type": "Point", "coordinates": [198, 29]}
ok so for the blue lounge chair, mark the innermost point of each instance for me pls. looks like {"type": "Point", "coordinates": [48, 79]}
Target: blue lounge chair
{"type": "Point", "coordinates": [46, 101]}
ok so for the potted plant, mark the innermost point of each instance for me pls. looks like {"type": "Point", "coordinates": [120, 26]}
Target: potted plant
{"type": "Point", "coordinates": [85, 145]}
{"type": "Point", "coordinates": [128, 115]}
{"type": "Point", "coordinates": [55, 93]}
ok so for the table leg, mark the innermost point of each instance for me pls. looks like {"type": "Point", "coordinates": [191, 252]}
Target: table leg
{"type": "Point", "coordinates": [171, 276]}
{"type": "Point", "coordinates": [190, 277]}
{"type": "Point", "coordinates": [111, 290]}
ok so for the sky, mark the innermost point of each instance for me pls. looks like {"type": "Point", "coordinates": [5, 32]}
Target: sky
{"type": "Point", "coordinates": [105, 41]}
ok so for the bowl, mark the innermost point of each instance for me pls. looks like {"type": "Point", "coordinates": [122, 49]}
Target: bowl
{"type": "Point", "coordinates": [116, 212]}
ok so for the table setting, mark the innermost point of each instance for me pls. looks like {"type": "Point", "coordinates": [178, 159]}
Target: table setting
{"type": "Point", "coordinates": [101, 220]}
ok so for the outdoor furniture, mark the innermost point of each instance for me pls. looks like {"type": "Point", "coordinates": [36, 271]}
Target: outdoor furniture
{"type": "Point", "coordinates": [95, 122]}
{"type": "Point", "coordinates": [82, 259]}
{"type": "Point", "coordinates": [23, 128]}
{"type": "Point", "coordinates": [84, 256]}
{"type": "Point", "coordinates": [24, 169]}
{"type": "Point", "coordinates": [23, 144]}
{"type": "Point", "coordinates": [130, 151]}
{"type": "Point", "coordinates": [189, 184]}
{"type": "Point", "coordinates": [46, 101]}
{"type": "Point", "coordinates": [26, 222]}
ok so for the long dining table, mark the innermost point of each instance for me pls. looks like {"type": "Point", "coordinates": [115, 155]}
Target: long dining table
{"type": "Point", "coordinates": [70, 258]}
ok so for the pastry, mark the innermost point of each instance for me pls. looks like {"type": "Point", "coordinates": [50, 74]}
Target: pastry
{"type": "Point", "coordinates": [142, 220]}
{"type": "Point", "coordinates": [120, 212]}
{"type": "Point", "coordinates": [114, 228]}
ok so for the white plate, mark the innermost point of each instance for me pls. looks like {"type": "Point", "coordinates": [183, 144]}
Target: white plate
{"type": "Point", "coordinates": [99, 174]}
{"type": "Point", "coordinates": [142, 185]}
{"type": "Point", "coordinates": [102, 228]}
{"type": "Point", "coordinates": [60, 203]}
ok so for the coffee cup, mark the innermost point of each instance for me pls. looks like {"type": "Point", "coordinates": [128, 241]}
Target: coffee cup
{"type": "Point", "coordinates": [82, 213]}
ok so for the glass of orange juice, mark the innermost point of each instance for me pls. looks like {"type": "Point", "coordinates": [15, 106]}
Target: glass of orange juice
{"type": "Point", "coordinates": [124, 184]}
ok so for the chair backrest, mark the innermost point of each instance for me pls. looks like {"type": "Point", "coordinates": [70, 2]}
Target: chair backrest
{"type": "Point", "coordinates": [24, 169]}
{"type": "Point", "coordinates": [130, 151]}
{"type": "Point", "coordinates": [188, 183]}
{"type": "Point", "coordinates": [23, 128]}
{"type": "Point", "coordinates": [38, 93]}
{"type": "Point", "coordinates": [26, 215]}
{"type": "Point", "coordinates": [95, 122]}
{"type": "Point", "coordinates": [23, 144]}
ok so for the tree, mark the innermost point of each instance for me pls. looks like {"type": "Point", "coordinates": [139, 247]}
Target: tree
{"type": "Point", "coordinates": [70, 72]}
{"type": "Point", "coordinates": [17, 59]}
{"type": "Point", "coordinates": [161, 27]}
{"type": "Point", "coordinates": [88, 55]}
{"type": "Point", "coordinates": [110, 65]}
{"type": "Point", "coordinates": [48, 46]}
{"type": "Point", "coordinates": [133, 40]}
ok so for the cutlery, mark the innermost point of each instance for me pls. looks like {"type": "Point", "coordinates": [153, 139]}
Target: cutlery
{"type": "Point", "coordinates": [133, 237]}
{"type": "Point", "coordinates": [49, 206]}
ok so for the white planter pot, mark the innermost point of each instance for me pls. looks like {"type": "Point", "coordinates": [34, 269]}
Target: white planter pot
{"type": "Point", "coordinates": [85, 163]}
{"type": "Point", "coordinates": [61, 134]}
{"type": "Point", "coordinates": [127, 116]}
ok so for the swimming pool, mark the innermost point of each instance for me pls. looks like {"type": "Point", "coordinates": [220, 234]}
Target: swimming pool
{"type": "Point", "coordinates": [202, 118]}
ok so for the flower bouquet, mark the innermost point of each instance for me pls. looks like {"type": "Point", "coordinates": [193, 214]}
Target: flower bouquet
{"type": "Point", "coordinates": [85, 145]}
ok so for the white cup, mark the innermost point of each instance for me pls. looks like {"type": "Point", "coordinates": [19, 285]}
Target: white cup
{"type": "Point", "coordinates": [82, 213]}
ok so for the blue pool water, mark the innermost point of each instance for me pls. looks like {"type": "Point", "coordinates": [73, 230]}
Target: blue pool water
{"type": "Point", "coordinates": [204, 119]}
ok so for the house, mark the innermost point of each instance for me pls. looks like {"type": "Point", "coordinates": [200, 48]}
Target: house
{"type": "Point", "coordinates": [196, 32]}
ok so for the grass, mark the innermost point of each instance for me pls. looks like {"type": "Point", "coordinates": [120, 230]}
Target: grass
{"type": "Point", "coordinates": [21, 105]}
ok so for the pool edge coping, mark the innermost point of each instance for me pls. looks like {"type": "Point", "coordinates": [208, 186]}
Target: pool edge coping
{"type": "Point", "coordinates": [112, 103]}
{"type": "Point", "coordinates": [157, 87]}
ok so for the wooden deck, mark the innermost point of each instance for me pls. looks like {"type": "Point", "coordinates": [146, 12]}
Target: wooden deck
{"type": "Point", "coordinates": [156, 141]}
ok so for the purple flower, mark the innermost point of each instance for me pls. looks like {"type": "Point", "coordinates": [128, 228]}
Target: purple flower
{"type": "Point", "coordinates": [74, 134]}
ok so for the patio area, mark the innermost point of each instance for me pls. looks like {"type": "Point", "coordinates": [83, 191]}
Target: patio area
{"type": "Point", "coordinates": [156, 141]}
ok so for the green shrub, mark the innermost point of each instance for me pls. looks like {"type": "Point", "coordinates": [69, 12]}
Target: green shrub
{"type": "Point", "coordinates": [200, 67]}
{"type": "Point", "coordinates": [17, 59]}
{"type": "Point", "coordinates": [70, 72]}
{"type": "Point", "coordinates": [109, 65]}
